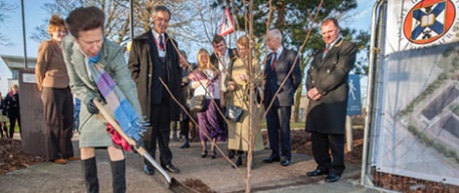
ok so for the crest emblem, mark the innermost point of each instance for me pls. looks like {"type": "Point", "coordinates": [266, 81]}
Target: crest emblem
{"type": "Point", "coordinates": [428, 21]}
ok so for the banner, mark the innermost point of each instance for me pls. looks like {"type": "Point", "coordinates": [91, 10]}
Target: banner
{"type": "Point", "coordinates": [417, 116]}
{"type": "Point", "coordinates": [414, 24]}
{"type": "Point", "coordinates": [227, 23]}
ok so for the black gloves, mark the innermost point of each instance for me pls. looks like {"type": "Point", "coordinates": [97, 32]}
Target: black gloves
{"type": "Point", "coordinates": [92, 107]}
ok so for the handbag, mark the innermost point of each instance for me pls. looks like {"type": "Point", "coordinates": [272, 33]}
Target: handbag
{"type": "Point", "coordinates": [198, 103]}
{"type": "Point", "coordinates": [233, 113]}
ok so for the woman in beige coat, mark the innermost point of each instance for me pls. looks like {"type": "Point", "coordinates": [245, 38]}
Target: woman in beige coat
{"type": "Point", "coordinates": [240, 133]}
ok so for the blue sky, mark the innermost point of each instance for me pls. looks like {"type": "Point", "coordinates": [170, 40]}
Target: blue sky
{"type": "Point", "coordinates": [35, 15]}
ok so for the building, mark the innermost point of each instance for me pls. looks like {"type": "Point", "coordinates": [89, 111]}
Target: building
{"type": "Point", "coordinates": [16, 63]}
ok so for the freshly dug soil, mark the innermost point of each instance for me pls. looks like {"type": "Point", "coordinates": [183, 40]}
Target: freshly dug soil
{"type": "Point", "coordinates": [198, 185]}
{"type": "Point", "coordinates": [12, 158]}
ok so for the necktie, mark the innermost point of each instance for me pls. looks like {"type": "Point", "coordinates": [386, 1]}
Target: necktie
{"type": "Point", "coordinates": [325, 50]}
{"type": "Point", "coordinates": [273, 61]}
{"type": "Point", "coordinates": [161, 43]}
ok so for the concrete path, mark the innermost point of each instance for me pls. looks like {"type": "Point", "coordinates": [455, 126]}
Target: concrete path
{"type": "Point", "coordinates": [216, 173]}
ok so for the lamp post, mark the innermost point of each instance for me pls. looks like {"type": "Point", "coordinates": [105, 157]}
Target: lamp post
{"type": "Point", "coordinates": [24, 34]}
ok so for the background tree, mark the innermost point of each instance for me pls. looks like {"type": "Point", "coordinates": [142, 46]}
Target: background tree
{"type": "Point", "coordinates": [185, 25]}
{"type": "Point", "coordinates": [294, 18]}
{"type": "Point", "coordinates": [5, 8]}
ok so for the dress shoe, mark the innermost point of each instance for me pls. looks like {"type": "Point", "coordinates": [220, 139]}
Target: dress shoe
{"type": "Point", "coordinates": [285, 162]}
{"type": "Point", "coordinates": [231, 154]}
{"type": "Point", "coordinates": [204, 153]}
{"type": "Point", "coordinates": [185, 145]}
{"type": "Point", "coordinates": [213, 154]}
{"type": "Point", "coordinates": [238, 162]}
{"type": "Point", "coordinates": [271, 160]}
{"type": "Point", "coordinates": [175, 138]}
{"type": "Point", "coordinates": [171, 168]}
{"type": "Point", "coordinates": [60, 161]}
{"type": "Point", "coordinates": [332, 178]}
{"type": "Point", "coordinates": [316, 172]}
{"type": "Point", "coordinates": [72, 158]}
{"type": "Point", "coordinates": [148, 170]}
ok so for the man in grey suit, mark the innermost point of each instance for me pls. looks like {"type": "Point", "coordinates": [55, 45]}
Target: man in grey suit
{"type": "Point", "coordinates": [327, 88]}
{"type": "Point", "coordinates": [277, 68]}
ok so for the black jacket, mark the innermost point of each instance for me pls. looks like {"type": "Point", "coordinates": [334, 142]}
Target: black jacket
{"type": "Point", "coordinates": [143, 59]}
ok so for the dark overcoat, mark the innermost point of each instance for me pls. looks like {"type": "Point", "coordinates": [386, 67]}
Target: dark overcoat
{"type": "Point", "coordinates": [329, 75]}
{"type": "Point", "coordinates": [142, 59]}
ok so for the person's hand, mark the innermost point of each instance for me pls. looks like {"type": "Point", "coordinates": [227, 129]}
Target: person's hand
{"type": "Point", "coordinates": [92, 107]}
{"type": "Point", "coordinates": [231, 85]}
{"type": "Point", "coordinates": [242, 77]}
{"type": "Point", "coordinates": [205, 82]}
{"type": "Point", "coordinates": [314, 94]}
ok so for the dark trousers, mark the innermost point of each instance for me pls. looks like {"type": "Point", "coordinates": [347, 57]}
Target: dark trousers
{"type": "Point", "coordinates": [185, 128]}
{"type": "Point", "coordinates": [160, 119]}
{"type": "Point", "coordinates": [278, 121]}
{"type": "Point", "coordinates": [13, 117]}
{"type": "Point", "coordinates": [221, 118]}
{"type": "Point", "coordinates": [321, 145]}
{"type": "Point", "coordinates": [58, 112]}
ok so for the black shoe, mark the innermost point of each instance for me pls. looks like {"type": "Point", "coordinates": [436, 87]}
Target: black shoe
{"type": "Point", "coordinates": [332, 178]}
{"type": "Point", "coordinates": [171, 168]}
{"type": "Point", "coordinates": [231, 154]}
{"type": "Point", "coordinates": [271, 160]}
{"type": "Point", "coordinates": [148, 170]}
{"type": "Point", "coordinates": [285, 162]}
{"type": "Point", "coordinates": [317, 172]}
{"type": "Point", "coordinates": [185, 145]}
{"type": "Point", "coordinates": [213, 154]}
{"type": "Point", "coordinates": [204, 153]}
{"type": "Point", "coordinates": [238, 161]}
{"type": "Point", "coordinates": [175, 138]}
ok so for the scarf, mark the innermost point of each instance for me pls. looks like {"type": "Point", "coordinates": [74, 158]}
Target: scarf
{"type": "Point", "coordinates": [123, 111]}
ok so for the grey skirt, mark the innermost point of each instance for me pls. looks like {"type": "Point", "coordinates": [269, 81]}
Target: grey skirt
{"type": "Point", "coordinates": [93, 132]}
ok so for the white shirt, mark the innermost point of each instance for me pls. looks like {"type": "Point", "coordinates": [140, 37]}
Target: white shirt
{"type": "Point", "coordinates": [201, 90]}
{"type": "Point", "coordinates": [278, 53]}
{"type": "Point", "coordinates": [161, 53]}
{"type": "Point", "coordinates": [223, 62]}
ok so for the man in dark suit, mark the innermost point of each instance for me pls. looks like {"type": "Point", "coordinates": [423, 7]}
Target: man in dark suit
{"type": "Point", "coordinates": [223, 59]}
{"type": "Point", "coordinates": [153, 58]}
{"type": "Point", "coordinates": [327, 88]}
{"type": "Point", "coordinates": [277, 68]}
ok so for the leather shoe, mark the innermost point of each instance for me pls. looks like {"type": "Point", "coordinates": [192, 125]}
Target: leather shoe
{"type": "Point", "coordinates": [332, 178]}
{"type": "Point", "coordinates": [285, 162]}
{"type": "Point", "coordinates": [231, 154]}
{"type": "Point", "coordinates": [213, 154]}
{"type": "Point", "coordinates": [271, 160]}
{"type": "Point", "coordinates": [185, 145]}
{"type": "Point", "coordinates": [171, 168]}
{"type": "Point", "coordinates": [59, 161]}
{"type": "Point", "coordinates": [148, 170]}
{"type": "Point", "coordinates": [316, 172]}
{"type": "Point", "coordinates": [204, 153]}
{"type": "Point", "coordinates": [73, 158]}
{"type": "Point", "coordinates": [238, 161]}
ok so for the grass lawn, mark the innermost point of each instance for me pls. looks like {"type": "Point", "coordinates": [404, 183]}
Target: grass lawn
{"type": "Point", "coordinates": [293, 125]}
